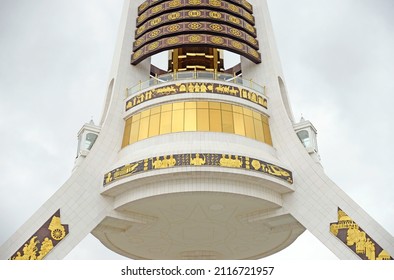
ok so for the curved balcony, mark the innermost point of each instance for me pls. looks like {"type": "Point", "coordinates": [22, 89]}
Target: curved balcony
{"type": "Point", "coordinates": [196, 75]}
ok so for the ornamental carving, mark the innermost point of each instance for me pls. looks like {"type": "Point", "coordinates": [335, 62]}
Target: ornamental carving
{"type": "Point", "coordinates": [197, 40]}
{"type": "Point", "coordinates": [235, 10]}
{"type": "Point", "coordinates": [197, 87]}
{"type": "Point", "coordinates": [349, 232]}
{"type": "Point", "coordinates": [200, 160]}
{"type": "Point", "coordinates": [43, 240]}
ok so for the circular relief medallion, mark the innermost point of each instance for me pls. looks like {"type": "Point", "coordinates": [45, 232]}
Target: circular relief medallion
{"type": "Point", "coordinates": [157, 9]}
{"type": "Point", "coordinates": [174, 16]}
{"type": "Point", "coordinates": [195, 38]}
{"type": "Point", "coordinates": [194, 25]}
{"type": "Point", "coordinates": [173, 28]}
{"type": "Point", "coordinates": [234, 19]}
{"type": "Point", "coordinates": [215, 15]}
{"type": "Point", "coordinates": [142, 17]}
{"type": "Point", "coordinates": [194, 2]}
{"type": "Point", "coordinates": [194, 13]}
{"type": "Point", "coordinates": [237, 45]}
{"type": "Point", "coordinates": [247, 4]}
{"type": "Point", "coordinates": [58, 234]}
{"type": "Point", "coordinates": [174, 3]}
{"type": "Point", "coordinates": [139, 41]}
{"type": "Point", "coordinates": [250, 28]}
{"type": "Point", "coordinates": [141, 29]}
{"type": "Point", "coordinates": [217, 40]}
{"type": "Point", "coordinates": [233, 8]}
{"type": "Point", "coordinates": [249, 17]}
{"type": "Point", "coordinates": [252, 40]}
{"type": "Point", "coordinates": [235, 32]}
{"type": "Point", "coordinates": [143, 6]}
{"type": "Point", "coordinates": [153, 46]}
{"type": "Point", "coordinates": [216, 27]}
{"type": "Point", "coordinates": [215, 3]}
{"type": "Point", "coordinates": [253, 53]}
{"type": "Point", "coordinates": [154, 33]}
{"type": "Point", "coordinates": [155, 21]}
{"type": "Point", "coordinates": [137, 54]}
{"type": "Point", "coordinates": [173, 40]}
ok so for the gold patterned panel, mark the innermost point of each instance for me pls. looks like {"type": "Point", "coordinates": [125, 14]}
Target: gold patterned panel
{"type": "Point", "coordinates": [197, 40]}
{"type": "Point", "coordinates": [178, 3]}
{"type": "Point", "coordinates": [349, 232]}
{"type": "Point", "coordinates": [202, 15]}
{"type": "Point", "coordinates": [197, 87]}
{"type": "Point", "coordinates": [191, 116]}
{"type": "Point", "coordinates": [171, 6]}
{"type": "Point", "coordinates": [43, 240]}
{"type": "Point", "coordinates": [198, 160]}
{"type": "Point", "coordinates": [188, 27]}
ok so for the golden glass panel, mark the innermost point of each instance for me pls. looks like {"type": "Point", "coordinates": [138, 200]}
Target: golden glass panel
{"type": "Point", "coordinates": [215, 120]}
{"type": "Point", "coordinates": [248, 112]}
{"type": "Point", "coordinates": [214, 105]}
{"type": "Point", "coordinates": [190, 118]}
{"type": "Point", "coordinates": [154, 125]}
{"type": "Point", "coordinates": [202, 105]}
{"type": "Point", "coordinates": [258, 129]}
{"type": "Point", "coordinates": [239, 125]}
{"type": "Point", "coordinates": [267, 134]}
{"type": "Point", "coordinates": [145, 113]}
{"type": "Point", "coordinates": [257, 115]}
{"type": "Point", "coordinates": [165, 122]}
{"type": "Point", "coordinates": [226, 107]}
{"type": "Point", "coordinates": [195, 116]}
{"type": "Point", "coordinates": [202, 118]}
{"type": "Point", "coordinates": [166, 107]}
{"type": "Point", "coordinates": [227, 122]}
{"type": "Point", "coordinates": [249, 127]}
{"type": "Point", "coordinates": [178, 106]}
{"type": "Point", "coordinates": [135, 127]}
{"type": "Point", "coordinates": [178, 120]}
{"type": "Point", "coordinates": [136, 117]}
{"type": "Point", "coordinates": [155, 110]}
{"type": "Point", "coordinates": [126, 134]}
{"type": "Point", "coordinates": [190, 105]}
{"type": "Point", "coordinates": [238, 109]}
{"type": "Point", "coordinates": [144, 128]}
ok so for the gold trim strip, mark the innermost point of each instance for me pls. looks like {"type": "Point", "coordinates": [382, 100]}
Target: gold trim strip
{"type": "Point", "coordinates": [197, 159]}
{"type": "Point", "coordinates": [196, 87]}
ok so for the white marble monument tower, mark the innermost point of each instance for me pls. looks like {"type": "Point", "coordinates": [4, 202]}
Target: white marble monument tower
{"type": "Point", "coordinates": [196, 161]}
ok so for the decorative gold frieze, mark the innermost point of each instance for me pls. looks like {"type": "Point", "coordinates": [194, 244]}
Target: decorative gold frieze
{"type": "Point", "coordinates": [197, 87]}
{"type": "Point", "coordinates": [356, 239]}
{"type": "Point", "coordinates": [198, 159]}
{"type": "Point", "coordinates": [43, 240]}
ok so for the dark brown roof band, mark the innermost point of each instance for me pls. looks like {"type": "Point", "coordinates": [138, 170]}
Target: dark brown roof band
{"type": "Point", "coordinates": [202, 40]}
{"type": "Point", "coordinates": [197, 4]}
{"type": "Point", "coordinates": [193, 27]}
{"type": "Point", "coordinates": [195, 15]}
{"type": "Point", "coordinates": [150, 3]}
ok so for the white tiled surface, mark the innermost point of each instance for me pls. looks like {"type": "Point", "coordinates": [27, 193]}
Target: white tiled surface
{"type": "Point", "coordinates": [316, 199]}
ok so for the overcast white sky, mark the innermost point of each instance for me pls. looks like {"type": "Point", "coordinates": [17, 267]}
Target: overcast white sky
{"type": "Point", "coordinates": [338, 60]}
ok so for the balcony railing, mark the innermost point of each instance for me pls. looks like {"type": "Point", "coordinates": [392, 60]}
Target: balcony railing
{"type": "Point", "coordinates": [196, 75]}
